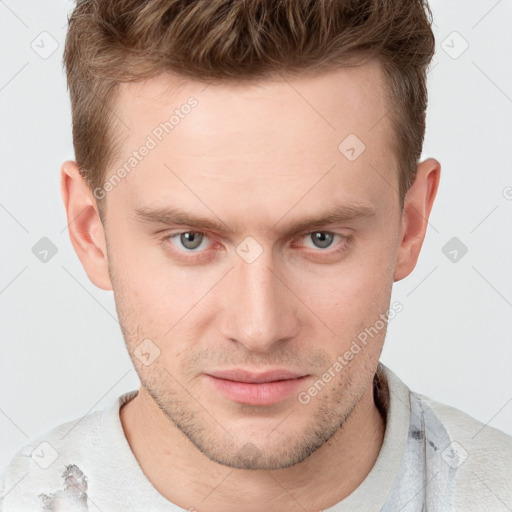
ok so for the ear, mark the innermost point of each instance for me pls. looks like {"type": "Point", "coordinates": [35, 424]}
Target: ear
{"type": "Point", "coordinates": [84, 225]}
{"type": "Point", "coordinates": [417, 206]}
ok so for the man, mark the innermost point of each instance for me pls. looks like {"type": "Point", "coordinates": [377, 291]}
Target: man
{"type": "Point", "coordinates": [247, 183]}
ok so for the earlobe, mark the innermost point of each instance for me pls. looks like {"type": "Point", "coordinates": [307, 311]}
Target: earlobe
{"type": "Point", "coordinates": [84, 225]}
{"type": "Point", "coordinates": [417, 207]}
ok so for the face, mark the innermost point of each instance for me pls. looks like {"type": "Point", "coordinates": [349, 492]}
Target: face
{"type": "Point", "coordinates": [247, 250]}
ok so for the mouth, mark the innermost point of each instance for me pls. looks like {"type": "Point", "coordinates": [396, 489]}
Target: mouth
{"type": "Point", "coordinates": [251, 388]}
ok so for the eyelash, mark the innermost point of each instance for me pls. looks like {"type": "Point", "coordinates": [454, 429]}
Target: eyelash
{"type": "Point", "coordinates": [193, 255]}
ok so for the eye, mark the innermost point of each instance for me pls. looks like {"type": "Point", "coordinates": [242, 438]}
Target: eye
{"type": "Point", "coordinates": [193, 245]}
{"type": "Point", "coordinates": [190, 240]}
{"type": "Point", "coordinates": [324, 239]}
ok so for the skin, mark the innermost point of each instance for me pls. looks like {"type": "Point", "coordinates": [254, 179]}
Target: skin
{"type": "Point", "coordinates": [258, 158]}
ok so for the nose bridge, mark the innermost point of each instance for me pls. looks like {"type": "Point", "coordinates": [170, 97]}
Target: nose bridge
{"type": "Point", "coordinates": [258, 311]}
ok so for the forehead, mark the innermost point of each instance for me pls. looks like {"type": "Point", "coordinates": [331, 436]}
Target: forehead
{"type": "Point", "coordinates": [347, 99]}
{"type": "Point", "coordinates": [251, 136]}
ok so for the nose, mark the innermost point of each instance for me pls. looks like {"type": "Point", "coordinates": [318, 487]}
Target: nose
{"type": "Point", "coordinates": [258, 311]}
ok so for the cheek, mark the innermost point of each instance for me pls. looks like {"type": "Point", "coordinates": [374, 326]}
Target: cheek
{"type": "Point", "coordinates": [158, 300]}
{"type": "Point", "coordinates": [353, 291]}
{"type": "Point", "coordinates": [160, 297]}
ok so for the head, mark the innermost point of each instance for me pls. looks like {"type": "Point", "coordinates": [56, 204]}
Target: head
{"type": "Point", "coordinates": [247, 182]}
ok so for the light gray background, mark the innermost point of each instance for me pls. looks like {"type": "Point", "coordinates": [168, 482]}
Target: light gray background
{"type": "Point", "coordinates": [62, 353]}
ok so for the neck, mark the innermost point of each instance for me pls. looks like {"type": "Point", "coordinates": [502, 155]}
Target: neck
{"type": "Point", "coordinates": [189, 479]}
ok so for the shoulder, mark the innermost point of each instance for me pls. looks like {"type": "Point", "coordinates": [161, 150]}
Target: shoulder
{"type": "Point", "coordinates": [465, 462]}
{"type": "Point", "coordinates": [479, 440]}
{"type": "Point", "coordinates": [481, 455]}
{"type": "Point", "coordinates": [41, 469]}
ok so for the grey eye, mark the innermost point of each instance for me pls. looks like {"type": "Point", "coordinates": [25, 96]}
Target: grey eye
{"type": "Point", "coordinates": [191, 240]}
{"type": "Point", "coordinates": [322, 239]}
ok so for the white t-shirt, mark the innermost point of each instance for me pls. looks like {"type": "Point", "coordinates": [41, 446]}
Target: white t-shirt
{"type": "Point", "coordinates": [434, 458]}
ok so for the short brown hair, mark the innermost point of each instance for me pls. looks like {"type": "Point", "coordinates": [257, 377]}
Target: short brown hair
{"type": "Point", "coordinates": [112, 41]}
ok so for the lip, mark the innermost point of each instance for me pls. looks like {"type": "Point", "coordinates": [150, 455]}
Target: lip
{"type": "Point", "coordinates": [256, 388]}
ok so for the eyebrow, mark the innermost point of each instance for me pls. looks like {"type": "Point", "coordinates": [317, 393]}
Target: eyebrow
{"type": "Point", "coordinates": [174, 216]}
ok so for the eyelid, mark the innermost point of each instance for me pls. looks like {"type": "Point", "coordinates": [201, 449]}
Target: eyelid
{"type": "Point", "coordinates": [346, 238]}
{"type": "Point", "coordinates": [172, 236]}
{"type": "Point", "coordinates": [343, 237]}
